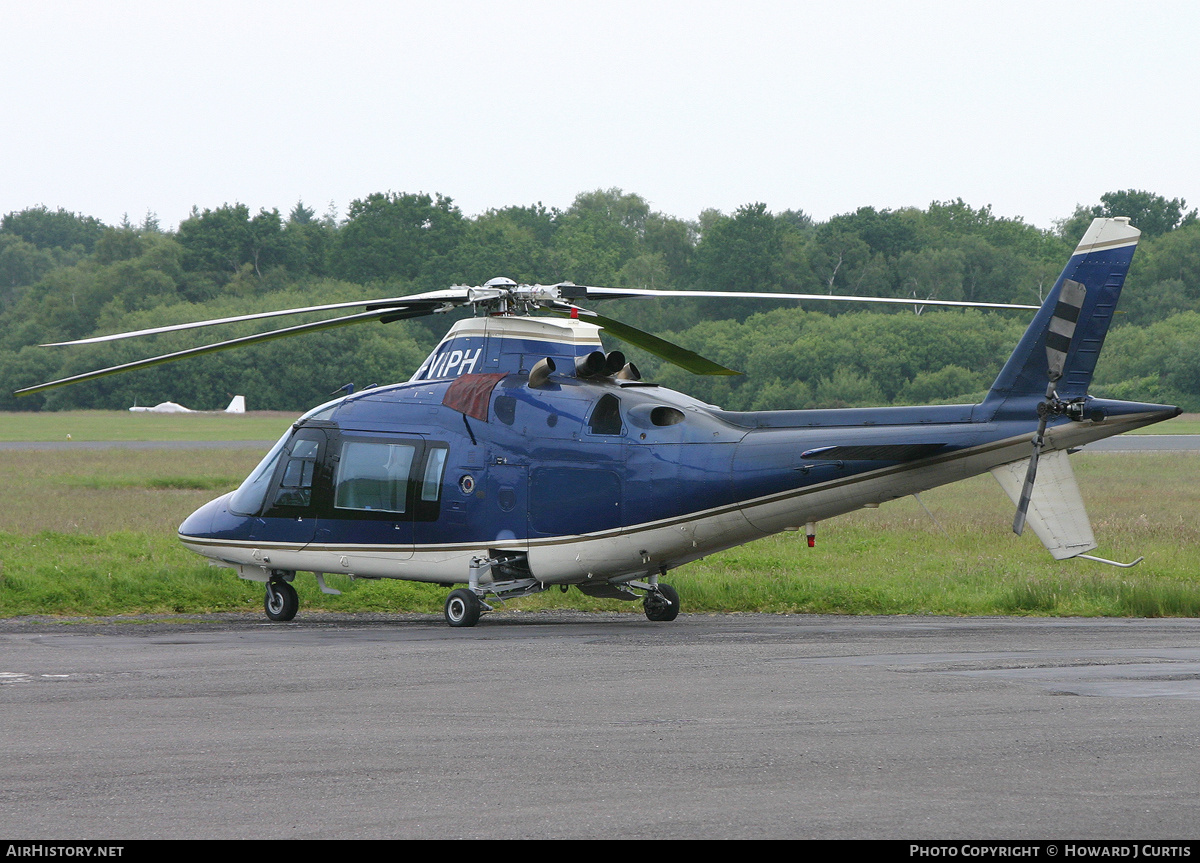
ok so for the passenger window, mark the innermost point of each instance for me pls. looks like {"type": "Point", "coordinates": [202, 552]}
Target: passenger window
{"type": "Point", "coordinates": [374, 476]}
{"type": "Point", "coordinates": [606, 417]}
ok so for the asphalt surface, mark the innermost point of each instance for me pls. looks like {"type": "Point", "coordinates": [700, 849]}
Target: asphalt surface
{"type": "Point", "coordinates": [562, 725]}
{"type": "Point", "coordinates": [1147, 443]}
{"type": "Point", "coordinates": [570, 725]}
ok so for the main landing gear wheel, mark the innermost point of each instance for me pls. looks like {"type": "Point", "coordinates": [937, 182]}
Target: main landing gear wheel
{"type": "Point", "coordinates": [463, 608]}
{"type": "Point", "coordinates": [662, 604]}
{"type": "Point", "coordinates": [281, 602]}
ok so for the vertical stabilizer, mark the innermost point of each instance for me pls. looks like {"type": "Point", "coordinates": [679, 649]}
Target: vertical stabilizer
{"type": "Point", "coordinates": [1084, 297]}
{"type": "Point", "coordinates": [237, 406]}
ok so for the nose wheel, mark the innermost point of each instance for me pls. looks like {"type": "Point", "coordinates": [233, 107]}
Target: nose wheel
{"type": "Point", "coordinates": [661, 604]}
{"type": "Point", "coordinates": [281, 602]}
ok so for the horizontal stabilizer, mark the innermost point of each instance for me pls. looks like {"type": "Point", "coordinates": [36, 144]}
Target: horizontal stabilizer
{"type": "Point", "coordinates": [1056, 512]}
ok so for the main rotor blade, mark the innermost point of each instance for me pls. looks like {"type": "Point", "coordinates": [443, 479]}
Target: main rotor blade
{"type": "Point", "coordinates": [669, 351]}
{"type": "Point", "coordinates": [650, 293]}
{"type": "Point", "coordinates": [432, 299]}
{"type": "Point", "coordinates": [361, 317]}
{"type": "Point", "coordinates": [460, 294]}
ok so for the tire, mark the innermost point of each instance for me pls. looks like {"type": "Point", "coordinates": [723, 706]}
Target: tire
{"type": "Point", "coordinates": [662, 605]}
{"type": "Point", "coordinates": [281, 602]}
{"type": "Point", "coordinates": [463, 608]}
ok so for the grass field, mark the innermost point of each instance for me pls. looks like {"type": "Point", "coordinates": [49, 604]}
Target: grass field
{"type": "Point", "coordinates": [128, 426]}
{"type": "Point", "coordinates": [93, 532]}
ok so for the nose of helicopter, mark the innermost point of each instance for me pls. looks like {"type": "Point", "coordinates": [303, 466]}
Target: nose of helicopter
{"type": "Point", "coordinates": [200, 522]}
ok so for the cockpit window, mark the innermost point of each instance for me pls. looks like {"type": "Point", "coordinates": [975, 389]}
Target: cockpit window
{"type": "Point", "coordinates": [295, 486]}
{"type": "Point", "coordinates": [321, 412]}
{"type": "Point", "coordinates": [606, 416]}
{"type": "Point", "coordinates": [431, 485]}
{"type": "Point", "coordinates": [249, 497]}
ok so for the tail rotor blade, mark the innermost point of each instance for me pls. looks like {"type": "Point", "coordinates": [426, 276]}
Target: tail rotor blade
{"type": "Point", "coordinates": [1062, 326]}
{"type": "Point", "coordinates": [1039, 439]}
{"type": "Point", "coordinates": [1027, 489]}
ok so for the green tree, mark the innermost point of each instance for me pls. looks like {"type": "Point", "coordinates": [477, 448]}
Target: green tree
{"type": "Point", "coordinates": [21, 263]}
{"type": "Point", "coordinates": [502, 243]}
{"type": "Point", "coordinates": [840, 260]}
{"type": "Point", "coordinates": [1152, 214]}
{"type": "Point", "coordinates": [216, 240]}
{"type": "Point", "coordinates": [395, 236]}
{"type": "Point", "coordinates": [119, 244]}
{"type": "Point", "coordinates": [613, 205]}
{"type": "Point", "coordinates": [946, 220]}
{"type": "Point", "coordinates": [307, 240]}
{"type": "Point", "coordinates": [1160, 362]}
{"type": "Point", "coordinates": [740, 252]}
{"type": "Point", "coordinates": [48, 229]}
{"type": "Point", "coordinates": [949, 385]}
{"type": "Point", "coordinates": [932, 274]}
{"type": "Point", "coordinates": [220, 242]}
{"type": "Point", "coordinates": [597, 236]}
{"type": "Point", "coordinates": [1172, 256]}
{"type": "Point", "coordinates": [886, 232]}
{"type": "Point", "coordinates": [674, 241]}
{"type": "Point", "coordinates": [991, 274]}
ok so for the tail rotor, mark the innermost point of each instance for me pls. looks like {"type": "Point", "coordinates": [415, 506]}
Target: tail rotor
{"type": "Point", "coordinates": [1058, 345]}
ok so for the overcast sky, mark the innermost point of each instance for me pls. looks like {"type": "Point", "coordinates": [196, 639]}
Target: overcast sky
{"type": "Point", "coordinates": [113, 108]}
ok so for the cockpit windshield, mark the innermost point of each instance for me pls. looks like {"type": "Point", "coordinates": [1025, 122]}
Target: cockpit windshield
{"type": "Point", "coordinates": [249, 497]}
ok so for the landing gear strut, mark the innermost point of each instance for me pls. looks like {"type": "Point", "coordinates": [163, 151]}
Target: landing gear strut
{"type": "Point", "coordinates": [281, 602]}
{"type": "Point", "coordinates": [661, 604]}
{"type": "Point", "coordinates": [505, 575]}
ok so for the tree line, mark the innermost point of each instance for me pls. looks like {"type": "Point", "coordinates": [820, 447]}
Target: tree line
{"type": "Point", "coordinates": [64, 275]}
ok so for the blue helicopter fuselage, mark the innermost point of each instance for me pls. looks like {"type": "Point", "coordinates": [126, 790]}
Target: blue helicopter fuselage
{"type": "Point", "coordinates": [591, 479]}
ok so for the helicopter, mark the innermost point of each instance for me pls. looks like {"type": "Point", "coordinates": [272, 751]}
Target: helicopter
{"type": "Point", "coordinates": [521, 456]}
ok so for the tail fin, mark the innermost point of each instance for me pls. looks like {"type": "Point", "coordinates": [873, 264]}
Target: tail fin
{"type": "Point", "coordinates": [237, 406]}
{"type": "Point", "coordinates": [1099, 265]}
